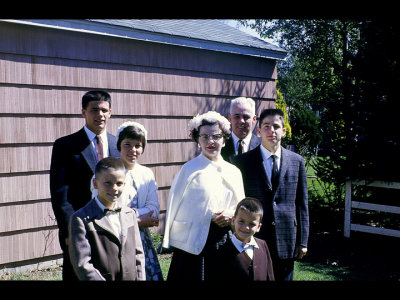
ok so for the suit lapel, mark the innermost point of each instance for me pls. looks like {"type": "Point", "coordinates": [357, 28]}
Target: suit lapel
{"type": "Point", "coordinates": [229, 145]}
{"type": "Point", "coordinates": [125, 223]}
{"type": "Point", "coordinates": [112, 145]}
{"type": "Point", "coordinates": [254, 142]}
{"type": "Point", "coordinates": [259, 164]}
{"type": "Point", "coordinates": [89, 156]}
{"type": "Point", "coordinates": [228, 151]}
{"type": "Point", "coordinates": [284, 165]}
{"type": "Point", "coordinates": [101, 220]}
{"type": "Point", "coordinates": [87, 152]}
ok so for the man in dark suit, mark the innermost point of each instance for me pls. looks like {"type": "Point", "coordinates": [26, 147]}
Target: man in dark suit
{"type": "Point", "coordinates": [280, 183]}
{"type": "Point", "coordinates": [242, 117]}
{"type": "Point", "coordinates": [73, 161]}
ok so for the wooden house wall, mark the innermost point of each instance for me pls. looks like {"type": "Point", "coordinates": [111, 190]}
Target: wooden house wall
{"type": "Point", "coordinates": [44, 73]}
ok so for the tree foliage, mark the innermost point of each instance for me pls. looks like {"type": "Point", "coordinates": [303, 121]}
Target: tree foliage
{"type": "Point", "coordinates": [281, 104]}
{"type": "Point", "coordinates": [339, 82]}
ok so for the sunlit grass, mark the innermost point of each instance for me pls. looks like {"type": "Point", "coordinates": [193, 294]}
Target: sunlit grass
{"type": "Point", "coordinates": [304, 271]}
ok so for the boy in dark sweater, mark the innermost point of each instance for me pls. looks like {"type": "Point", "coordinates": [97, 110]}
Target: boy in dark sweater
{"type": "Point", "coordinates": [243, 256]}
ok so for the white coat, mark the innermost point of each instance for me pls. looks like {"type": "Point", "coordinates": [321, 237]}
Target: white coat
{"type": "Point", "coordinates": [195, 190]}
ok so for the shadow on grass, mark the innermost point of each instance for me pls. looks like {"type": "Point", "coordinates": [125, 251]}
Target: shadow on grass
{"type": "Point", "coordinates": [363, 256]}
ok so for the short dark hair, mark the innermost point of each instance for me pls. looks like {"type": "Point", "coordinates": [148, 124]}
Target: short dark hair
{"type": "Point", "coordinates": [131, 132]}
{"type": "Point", "coordinates": [95, 96]}
{"type": "Point", "coordinates": [109, 163]}
{"type": "Point", "coordinates": [250, 204]}
{"type": "Point", "coordinates": [272, 112]}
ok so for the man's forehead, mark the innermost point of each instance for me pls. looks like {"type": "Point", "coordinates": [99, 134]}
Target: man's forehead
{"type": "Point", "coordinates": [273, 119]}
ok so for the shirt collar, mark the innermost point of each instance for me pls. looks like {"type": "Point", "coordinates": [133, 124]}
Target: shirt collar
{"type": "Point", "coordinates": [91, 135]}
{"type": "Point", "coordinates": [102, 206]}
{"type": "Point", "coordinates": [240, 245]}
{"type": "Point", "coordinates": [246, 140]}
{"type": "Point", "coordinates": [266, 153]}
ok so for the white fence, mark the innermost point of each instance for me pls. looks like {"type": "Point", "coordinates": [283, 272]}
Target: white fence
{"type": "Point", "coordinates": [349, 205]}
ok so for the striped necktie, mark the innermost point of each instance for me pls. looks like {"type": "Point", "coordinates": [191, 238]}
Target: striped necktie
{"type": "Point", "coordinates": [240, 147]}
{"type": "Point", "coordinates": [99, 148]}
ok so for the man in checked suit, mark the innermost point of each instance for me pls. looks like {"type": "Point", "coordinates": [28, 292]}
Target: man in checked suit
{"type": "Point", "coordinates": [285, 224]}
{"type": "Point", "coordinates": [242, 116]}
{"type": "Point", "coordinates": [73, 161]}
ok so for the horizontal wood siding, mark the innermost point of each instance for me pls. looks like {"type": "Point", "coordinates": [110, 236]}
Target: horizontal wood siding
{"type": "Point", "coordinates": [43, 75]}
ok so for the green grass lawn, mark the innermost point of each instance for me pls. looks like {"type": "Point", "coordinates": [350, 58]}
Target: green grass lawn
{"type": "Point", "coordinates": [303, 271]}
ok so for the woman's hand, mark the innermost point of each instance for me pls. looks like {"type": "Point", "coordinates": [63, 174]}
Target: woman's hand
{"type": "Point", "coordinates": [221, 220]}
{"type": "Point", "coordinates": [147, 220]}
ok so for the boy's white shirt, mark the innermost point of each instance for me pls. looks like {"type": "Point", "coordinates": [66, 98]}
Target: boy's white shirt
{"type": "Point", "coordinates": [249, 247]}
{"type": "Point", "coordinates": [114, 219]}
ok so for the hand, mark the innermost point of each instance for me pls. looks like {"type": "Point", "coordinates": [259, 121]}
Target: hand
{"type": "Point", "coordinates": [300, 252]}
{"type": "Point", "coordinates": [221, 220]}
{"type": "Point", "coordinates": [146, 220]}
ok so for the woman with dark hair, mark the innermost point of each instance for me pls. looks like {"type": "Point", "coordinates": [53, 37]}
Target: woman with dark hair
{"type": "Point", "coordinates": [140, 192]}
{"type": "Point", "coordinates": [201, 201]}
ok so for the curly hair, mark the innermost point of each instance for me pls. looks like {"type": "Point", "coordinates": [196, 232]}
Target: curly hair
{"type": "Point", "coordinates": [209, 118]}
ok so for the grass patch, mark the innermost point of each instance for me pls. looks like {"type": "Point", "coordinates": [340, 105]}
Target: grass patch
{"type": "Point", "coordinates": [165, 261]}
{"type": "Point", "coordinates": [49, 274]}
{"type": "Point", "coordinates": [305, 271]}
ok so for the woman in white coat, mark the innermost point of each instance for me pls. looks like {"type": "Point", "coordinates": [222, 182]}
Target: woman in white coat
{"type": "Point", "coordinates": [201, 201]}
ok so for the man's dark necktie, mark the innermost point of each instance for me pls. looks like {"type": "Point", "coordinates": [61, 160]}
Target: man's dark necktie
{"type": "Point", "coordinates": [275, 172]}
{"type": "Point", "coordinates": [99, 148]}
{"type": "Point", "coordinates": [240, 147]}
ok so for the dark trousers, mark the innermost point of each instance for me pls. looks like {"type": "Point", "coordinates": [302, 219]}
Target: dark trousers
{"type": "Point", "coordinates": [68, 273]}
{"type": "Point", "coordinates": [283, 268]}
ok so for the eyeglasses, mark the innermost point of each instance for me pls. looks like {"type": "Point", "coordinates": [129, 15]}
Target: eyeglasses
{"type": "Point", "coordinates": [214, 137]}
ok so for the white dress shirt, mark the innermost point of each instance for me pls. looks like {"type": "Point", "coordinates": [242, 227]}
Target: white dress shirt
{"type": "Point", "coordinates": [245, 142]}
{"type": "Point", "coordinates": [114, 218]}
{"type": "Point", "coordinates": [92, 137]}
{"type": "Point", "coordinates": [267, 160]}
{"type": "Point", "coordinates": [242, 246]}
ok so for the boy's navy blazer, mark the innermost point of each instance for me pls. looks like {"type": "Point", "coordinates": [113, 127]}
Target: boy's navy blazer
{"type": "Point", "coordinates": [72, 166]}
{"type": "Point", "coordinates": [286, 207]}
{"type": "Point", "coordinates": [228, 151]}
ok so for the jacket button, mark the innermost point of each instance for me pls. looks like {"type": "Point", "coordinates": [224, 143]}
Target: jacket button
{"type": "Point", "coordinates": [273, 223]}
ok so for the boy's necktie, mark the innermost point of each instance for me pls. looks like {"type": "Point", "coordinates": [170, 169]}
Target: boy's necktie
{"type": "Point", "coordinates": [111, 210]}
{"type": "Point", "coordinates": [274, 173]}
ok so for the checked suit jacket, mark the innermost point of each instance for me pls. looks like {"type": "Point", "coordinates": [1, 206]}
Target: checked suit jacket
{"type": "Point", "coordinates": [285, 223]}
{"type": "Point", "coordinates": [72, 166]}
